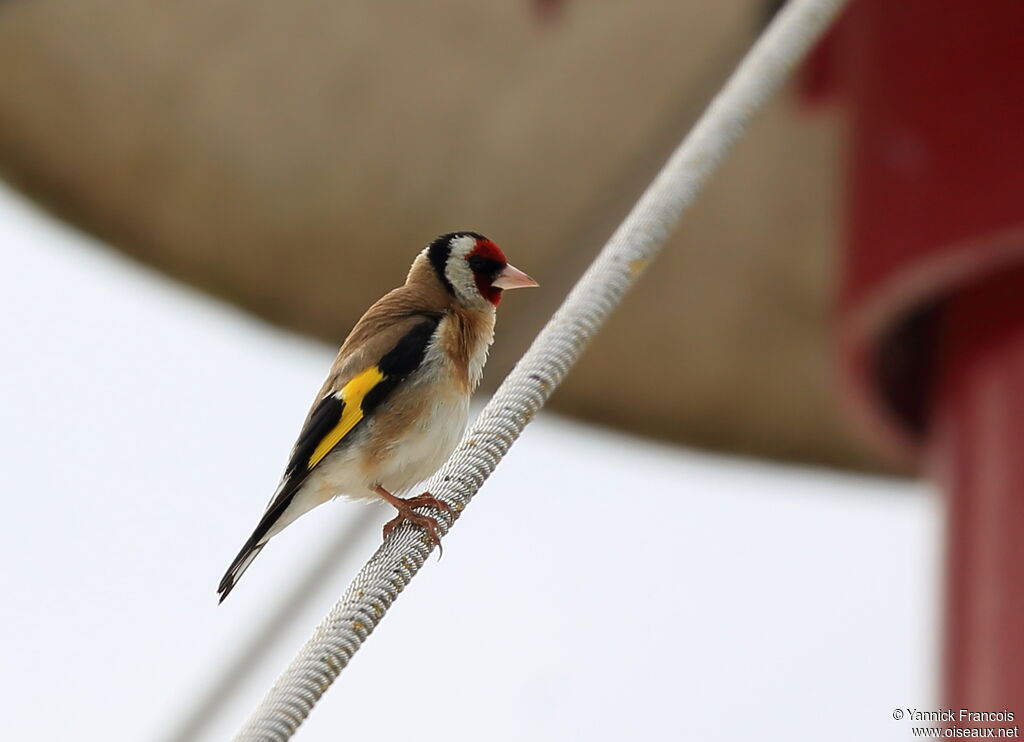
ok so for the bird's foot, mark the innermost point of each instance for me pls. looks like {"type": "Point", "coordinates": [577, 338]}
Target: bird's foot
{"type": "Point", "coordinates": [406, 513]}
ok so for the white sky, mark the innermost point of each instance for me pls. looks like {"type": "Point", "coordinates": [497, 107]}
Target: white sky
{"type": "Point", "coordinates": [601, 587]}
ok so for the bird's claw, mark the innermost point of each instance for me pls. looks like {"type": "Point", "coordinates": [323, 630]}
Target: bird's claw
{"type": "Point", "coordinates": [406, 513]}
{"type": "Point", "coordinates": [427, 500]}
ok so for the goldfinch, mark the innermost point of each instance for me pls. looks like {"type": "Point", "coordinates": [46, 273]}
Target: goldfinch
{"type": "Point", "coordinates": [396, 399]}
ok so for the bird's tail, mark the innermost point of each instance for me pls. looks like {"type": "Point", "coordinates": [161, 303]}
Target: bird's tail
{"type": "Point", "coordinates": [269, 524]}
{"type": "Point", "coordinates": [249, 552]}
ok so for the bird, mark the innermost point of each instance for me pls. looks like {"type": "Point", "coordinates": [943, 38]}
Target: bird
{"type": "Point", "coordinates": [396, 399]}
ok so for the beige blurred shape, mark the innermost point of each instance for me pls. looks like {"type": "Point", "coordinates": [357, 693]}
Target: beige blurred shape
{"type": "Point", "coordinates": [292, 157]}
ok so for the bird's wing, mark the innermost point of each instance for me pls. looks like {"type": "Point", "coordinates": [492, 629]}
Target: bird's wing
{"type": "Point", "coordinates": [355, 391]}
{"type": "Point", "coordinates": [361, 380]}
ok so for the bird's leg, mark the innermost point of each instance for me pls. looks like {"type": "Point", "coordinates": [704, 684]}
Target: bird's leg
{"type": "Point", "coordinates": [406, 508]}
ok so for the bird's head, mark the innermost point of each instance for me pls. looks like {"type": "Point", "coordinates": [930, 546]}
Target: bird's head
{"type": "Point", "coordinates": [473, 269]}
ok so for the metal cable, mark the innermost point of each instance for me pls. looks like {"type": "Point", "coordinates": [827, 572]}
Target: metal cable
{"type": "Point", "coordinates": [637, 240]}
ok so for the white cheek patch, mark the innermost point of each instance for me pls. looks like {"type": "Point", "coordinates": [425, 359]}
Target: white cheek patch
{"type": "Point", "coordinates": [457, 269]}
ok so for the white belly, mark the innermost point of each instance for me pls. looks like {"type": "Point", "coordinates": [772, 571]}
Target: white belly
{"type": "Point", "coordinates": [426, 445]}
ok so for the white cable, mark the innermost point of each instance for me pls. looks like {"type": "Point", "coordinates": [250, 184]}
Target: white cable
{"type": "Point", "coordinates": [638, 239]}
{"type": "Point", "coordinates": [190, 725]}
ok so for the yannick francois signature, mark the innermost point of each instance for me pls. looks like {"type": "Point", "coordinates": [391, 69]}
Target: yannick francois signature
{"type": "Point", "coordinates": [960, 715]}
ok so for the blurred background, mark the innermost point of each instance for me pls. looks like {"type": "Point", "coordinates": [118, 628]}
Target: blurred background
{"type": "Point", "coordinates": [200, 199]}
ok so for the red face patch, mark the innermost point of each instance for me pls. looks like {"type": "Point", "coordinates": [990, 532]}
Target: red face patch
{"type": "Point", "coordinates": [486, 260]}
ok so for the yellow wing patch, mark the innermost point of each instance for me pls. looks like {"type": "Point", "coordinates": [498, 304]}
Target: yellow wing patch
{"type": "Point", "coordinates": [352, 395]}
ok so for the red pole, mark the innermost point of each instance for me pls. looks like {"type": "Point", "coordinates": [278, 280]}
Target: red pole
{"type": "Point", "coordinates": [931, 296]}
{"type": "Point", "coordinates": [976, 453]}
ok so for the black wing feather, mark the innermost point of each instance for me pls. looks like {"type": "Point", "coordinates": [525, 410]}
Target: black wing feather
{"type": "Point", "coordinates": [399, 362]}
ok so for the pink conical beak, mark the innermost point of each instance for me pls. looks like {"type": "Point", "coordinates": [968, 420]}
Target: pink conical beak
{"type": "Point", "coordinates": [513, 278]}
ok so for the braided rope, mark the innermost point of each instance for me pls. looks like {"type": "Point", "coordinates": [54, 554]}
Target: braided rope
{"type": "Point", "coordinates": [637, 240]}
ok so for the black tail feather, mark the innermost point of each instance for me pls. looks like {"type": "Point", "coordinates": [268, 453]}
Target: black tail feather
{"type": "Point", "coordinates": [255, 543]}
{"type": "Point", "coordinates": [249, 552]}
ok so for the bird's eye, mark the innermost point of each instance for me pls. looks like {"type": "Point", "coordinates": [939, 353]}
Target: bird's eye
{"type": "Point", "coordinates": [481, 265]}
